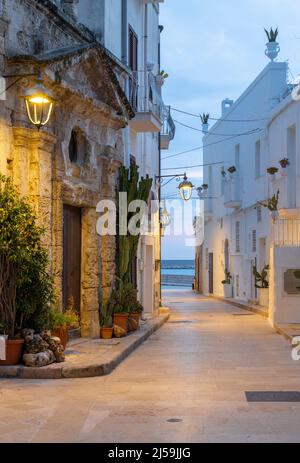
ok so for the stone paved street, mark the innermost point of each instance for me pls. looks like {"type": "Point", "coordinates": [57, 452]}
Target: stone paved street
{"type": "Point", "coordinates": [194, 371]}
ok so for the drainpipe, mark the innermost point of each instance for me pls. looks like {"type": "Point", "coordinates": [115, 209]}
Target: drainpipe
{"type": "Point", "coordinates": [145, 96]}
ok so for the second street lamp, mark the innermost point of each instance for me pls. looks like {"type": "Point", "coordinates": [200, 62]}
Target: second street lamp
{"type": "Point", "coordinates": [186, 189]}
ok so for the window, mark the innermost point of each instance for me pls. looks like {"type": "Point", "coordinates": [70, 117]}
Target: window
{"type": "Point", "coordinates": [237, 157]}
{"type": "Point", "coordinates": [79, 148]}
{"type": "Point", "coordinates": [254, 241]}
{"type": "Point", "coordinates": [133, 65]}
{"type": "Point", "coordinates": [221, 223]}
{"type": "Point", "coordinates": [237, 237]}
{"type": "Point", "coordinates": [237, 285]}
{"type": "Point", "coordinates": [259, 214]}
{"type": "Point", "coordinates": [257, 159]}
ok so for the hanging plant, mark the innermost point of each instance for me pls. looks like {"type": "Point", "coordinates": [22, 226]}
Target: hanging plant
{"type": "Point", "coordinates": [284, 163]}
{"type": "Point", "coordinates": [205, 186]}
{"type": "Point", "coordinates": [272, 170]}
{"type": "Point", "coordinates": [232, 169]}
{"type": "Point", "coordinates": [228, 278]}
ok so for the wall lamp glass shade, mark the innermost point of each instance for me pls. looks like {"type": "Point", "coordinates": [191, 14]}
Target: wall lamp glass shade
{"type": "Point", "coordinates": [165, 218]}
{"type": "Point", "coordinates": [186, 189]}
{"type": "Point", "coordinates": [39, 105]}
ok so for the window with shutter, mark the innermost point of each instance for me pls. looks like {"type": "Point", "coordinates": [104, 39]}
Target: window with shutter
{"type": "Point", "coordinates": [133, 64]}
{"type": "Point", "coordinates": [237, 237]}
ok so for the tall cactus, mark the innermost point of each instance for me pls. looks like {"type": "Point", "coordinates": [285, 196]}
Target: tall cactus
{"type": "Point", "coordinates": [136, 190]}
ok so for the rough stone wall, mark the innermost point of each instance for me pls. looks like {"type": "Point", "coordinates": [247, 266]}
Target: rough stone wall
{"type": "Point", "coordinates": [39, 161]}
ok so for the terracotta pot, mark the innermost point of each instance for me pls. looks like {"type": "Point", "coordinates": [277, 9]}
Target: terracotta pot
{"type": "Point", "coordinates": [106, 333]}
{"type": "Point", "coordinates": [121, 319]}
{"type": "Point", "coordinates": [61, 332]}
{"type": "Point", "coordinates": [136, 316]}
{"type": "Point", "coordinates": [14, 350]}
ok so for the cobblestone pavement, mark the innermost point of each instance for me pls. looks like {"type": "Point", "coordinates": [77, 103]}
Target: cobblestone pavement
{"type": "Point", "coordinates": [186, 383]}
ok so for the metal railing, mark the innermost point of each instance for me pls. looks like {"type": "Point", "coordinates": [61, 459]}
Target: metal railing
{"type": "Point", "coordinates": [168, 127]}
{"type": "Point", "coordinates": [286, 232]}
{"type": "Point", "coordinates": [145, 94]}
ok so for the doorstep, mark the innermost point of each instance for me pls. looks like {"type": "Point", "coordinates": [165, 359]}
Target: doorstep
{"type": "Point", "coordinates": [90, 357]}
{"type": "Point", "coordinates": [258, 309]}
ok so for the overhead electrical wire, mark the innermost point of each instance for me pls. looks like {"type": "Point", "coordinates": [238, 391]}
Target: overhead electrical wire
{"type": "Point", "coordinates": [211, 144]}
{"type": "Point", "coordinates": [219, 118]}
{"type": "Point", "coordinates": [197, 165]}
{"type": "Point", "coordinates": [214, 133]}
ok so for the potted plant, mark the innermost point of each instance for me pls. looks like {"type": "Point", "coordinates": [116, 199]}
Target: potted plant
{"type": "Point", "coordinates": [61, 323]}
{"type": "Point", "coordinates": [160, 78]}
{"type": "Point", "coordinates": [227, 284]}
{"type": "Point", "coordinates": [205, 122]}
{"type": "Point", "coordinates": [232, 170]}
{"type": "Point", "coordinates": [284, 163]}
{"type": "Point", "coordinates": [26, 288]}
{"type": "Point", "coordinates": [272, 171]}
{"type": "Point", "coordinates": [272, 205]}
{"type": "Point", "coordinates": [106, 321]}
{"type": "Point", "coordinates": [273, 47]}
{"type": "Point", "coordinates": [261, 282]}
{"type": "Point", "coordinates": [135, 314]}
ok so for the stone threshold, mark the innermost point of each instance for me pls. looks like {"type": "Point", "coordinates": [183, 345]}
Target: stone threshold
{"type": "Point", "coordinates": [257, 309]}
{"type": "Point", "coordinates": [87, 358]}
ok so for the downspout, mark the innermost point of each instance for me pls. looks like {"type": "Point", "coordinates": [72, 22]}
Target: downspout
{"type": "Point", "coordinates": [146, 83]}
{"type": "Point", "coordinates": [124, 52]}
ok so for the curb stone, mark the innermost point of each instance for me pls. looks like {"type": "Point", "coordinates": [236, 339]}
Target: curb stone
{"type": "Point", "coordinates": [108, 361]}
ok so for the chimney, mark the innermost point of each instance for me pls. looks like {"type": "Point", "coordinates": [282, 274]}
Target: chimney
{"type": "Point", "coordinates": [70, 8]}
{"type": "Point", "coordinates": [226, 105]}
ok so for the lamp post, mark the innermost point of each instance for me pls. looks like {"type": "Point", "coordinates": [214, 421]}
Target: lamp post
{"type": "Point", "coordinates": [39, 103]}
{"type": "Point", "coordinates": [186, 189]}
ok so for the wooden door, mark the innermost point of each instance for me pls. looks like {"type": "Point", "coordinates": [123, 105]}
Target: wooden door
{"type": "Point", "coordinates": [211, 272]}
{"type": "Point", "coordinates": [72, 258]}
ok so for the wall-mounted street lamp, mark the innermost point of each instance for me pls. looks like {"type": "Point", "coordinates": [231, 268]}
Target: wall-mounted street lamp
{"type": "Point", "coordinates": [186, 189]}
{"type": "Point", "coordinates": [39, 101]}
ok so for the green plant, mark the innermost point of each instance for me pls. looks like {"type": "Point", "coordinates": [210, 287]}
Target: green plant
{"type": "Point", "coordinates": [272, 170]}
{"type": "Point", "coordinates": [69, 319]}
{"type": "Point", "coordinates": [123, 299]}
{"type": "Point", "coordinates": [297, 274]}
{"type": "Point", "coordinates": [284, 163]}
{"type": "Point", "coordinates": [272, 35]}
{"type": "Point", "coordinates": [204, 118]}
{"type": "Point", "coordinates": [106, 314]}
{"type": "Point", "coordinates": [261, 281]}
{"type": "Point", "coordinates": [26, 288]}
{"type": "Point", "coordinates": [271, 203]}
{"type": "Point", "coordinates": [164, 74]}
{"type": "Point", "coordinates": [136, 190]}
{"type": "Point", "coordinates": [228, 278]}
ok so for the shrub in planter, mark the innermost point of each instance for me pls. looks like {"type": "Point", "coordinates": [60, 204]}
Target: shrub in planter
{"type": "Point", "coordinates": [262, 283]}
{"type": "Point", "coordinates": [60, 323]}
{"type": "Point", "coordinates": [227, 284]}
{"type": "Point", "coordinates": [26, 288]}
{"type": "Point", "coordinates": [106, 321]}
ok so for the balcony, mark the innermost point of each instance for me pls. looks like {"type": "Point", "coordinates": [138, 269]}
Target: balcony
{"type": "Point", "coordinates": [145, 98]}
{"type": "Point", "coordinates": [167, 133]}
{"type": "Point", "coordinates": [286, 233]}
{"type": "Point", "coordinates": [232, 193]}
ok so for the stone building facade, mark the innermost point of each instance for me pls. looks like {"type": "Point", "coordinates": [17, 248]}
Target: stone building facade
{"type": "Point", "coordinates": [67, 167]}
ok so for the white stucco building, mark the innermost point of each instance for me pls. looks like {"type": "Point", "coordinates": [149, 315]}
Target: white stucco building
{"type": "Point", "coordinates": [131, 31]}
{"type": "Point", "coordinates": [254, 133]}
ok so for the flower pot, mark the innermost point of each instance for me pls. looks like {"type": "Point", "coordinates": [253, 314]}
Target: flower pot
{"type": "Point", "coordinates": [272, 50]}
{"type": "Point", "coordinates": [121, 320]}
{"type": "Point", "coordinates": [106, 332]}
{"type": "Point", "coordinates": [134, 321]}
{"type": "Point", "coordinates": [263, 297]}
{"type": "Point", "coordinates": [61, 332]}
{"type": "Point", "coordinates": [14, 350]}
{"type": "Point", "coordinates": [228, 291]}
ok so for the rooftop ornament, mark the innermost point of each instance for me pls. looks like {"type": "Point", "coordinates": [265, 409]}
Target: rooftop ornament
{"type": "Point", "coordinates": [273, 47]}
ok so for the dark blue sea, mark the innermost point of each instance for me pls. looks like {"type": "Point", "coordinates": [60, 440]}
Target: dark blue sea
{"type": "Point", "coordinates": [173, 270]}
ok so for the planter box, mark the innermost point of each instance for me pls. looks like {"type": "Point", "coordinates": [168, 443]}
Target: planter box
{"type": "Point", "coordinates": [263, 297]}
{"type": "Point", "coordinates": [228, 291]}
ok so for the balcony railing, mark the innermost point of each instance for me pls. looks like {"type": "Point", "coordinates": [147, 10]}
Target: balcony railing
{"type": "Point", "coordinates": [232, 192]}
{"type": "Point", "coordinates": [167, 133]}
{"type": "Point", "coordinates": [145, 98]}
{"type": "Point", "coordinates": [286, 233]}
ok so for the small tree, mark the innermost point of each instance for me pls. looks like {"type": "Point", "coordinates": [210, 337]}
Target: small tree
{"type": "Point", "coordinates": [26, 288]}
{"type": "Point", "coordinates": [261, 281]}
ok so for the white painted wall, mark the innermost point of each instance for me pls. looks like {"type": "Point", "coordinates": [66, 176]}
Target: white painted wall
{"type": "Point", "coordinates": [264, 99]}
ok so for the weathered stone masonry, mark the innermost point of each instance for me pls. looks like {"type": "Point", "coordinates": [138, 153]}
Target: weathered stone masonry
{"type": "Point", "coordinates": [89, 101]}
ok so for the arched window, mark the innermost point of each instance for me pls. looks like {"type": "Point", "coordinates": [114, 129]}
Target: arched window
{"type": "Point", "coordinates": [226, 255]}
{"type": "Point", "coordinates": [79, 148]}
